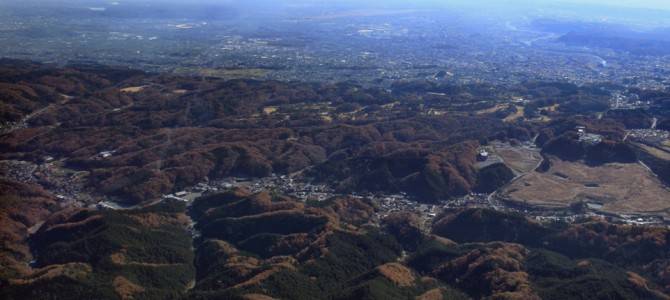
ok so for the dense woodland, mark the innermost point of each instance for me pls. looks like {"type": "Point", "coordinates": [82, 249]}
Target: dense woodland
{"type": "Point", "coordinates": [166, 140]}
{"type": "Point", "coordinates": [272, 245]}
{"type": "Point", "coordinates": [88, 254]}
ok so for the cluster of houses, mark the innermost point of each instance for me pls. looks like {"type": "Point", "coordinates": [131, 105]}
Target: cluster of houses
{"type": "Point", "coordinates": [649, 136]}
{"type": "Point", "coordinates": [626, 101]}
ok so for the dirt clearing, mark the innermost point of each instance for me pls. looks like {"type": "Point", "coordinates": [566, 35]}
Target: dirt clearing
{"type": "Point", "coordinates": [520, 159]}
{"type": "Point", "coordinates": [620, 188]}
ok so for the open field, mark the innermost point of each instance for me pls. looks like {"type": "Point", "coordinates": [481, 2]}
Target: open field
{"type": "Point", "coordinates": [516, 116]}
{"type": "Point", "coordinates": [653, 151]}
{"type": "Point", "coordinates": [541, 119]}
{"type": "Point", "coordinates": [665, 145]}
{"type": "Point", "coordinates": [134, 89]}
{"type": "Point", "coordinates": [551, 108]}
{"type": "Point", "coordinates": [520, 159]}
{"type": "Point", "coordinates": [620, 188]}
{"type": "Point", "coordinates": [491, 110]}
{"type": "Point", "coordinates": [268, 110]}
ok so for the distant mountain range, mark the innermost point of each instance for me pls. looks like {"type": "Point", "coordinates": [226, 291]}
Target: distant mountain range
{"type": "Point", "coordinates": [655, 42]}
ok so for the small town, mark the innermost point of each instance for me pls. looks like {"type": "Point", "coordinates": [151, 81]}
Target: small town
{"type": "Point", "coordinates": [402, 202]}
{"type": "Point", "coordinates": [649, 136]}
{"type": "Point", "coordinates": [66, 186]}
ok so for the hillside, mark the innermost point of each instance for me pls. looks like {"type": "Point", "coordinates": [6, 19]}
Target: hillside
{"type": "Point", "coordinates": [74, 137]}
{"type": "Point", "coordinates": [267, 244]}
{"type": "Point", "coordinates": [513, 256]}
{"type": "Point", "coordinates": [263, 244]}
{"type": "Point", "coordinates": [135, 136]}
{"type": "Point", "coordinates": [108, 255]}
{"type": "Point", "coordinates": [23, 207]}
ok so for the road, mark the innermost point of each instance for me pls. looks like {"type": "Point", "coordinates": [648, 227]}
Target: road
{"type": "Point", "coordinates": [24, 122]}
{"type": "Point", "coordinates": [647, 167]}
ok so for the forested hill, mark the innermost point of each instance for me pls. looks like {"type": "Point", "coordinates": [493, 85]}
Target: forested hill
{"type": "Point", "coordinates": [74, 136]}
{"type": "Point", "coordinates": [162, 133]}
{"type": "Point", "coordinates": [260, 245]}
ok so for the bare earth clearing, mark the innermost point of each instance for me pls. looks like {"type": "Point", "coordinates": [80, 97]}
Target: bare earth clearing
{"type": "Point", "coordinates": [515, 116]}
{"type": "Point", "coordinates": [134, 89]}
{"type": "Point", "coordinates": [520, 159]}
{"type": "Point", "coordinates": [654, 151]}
{"type": "Point", "coordinates": [620, 188]}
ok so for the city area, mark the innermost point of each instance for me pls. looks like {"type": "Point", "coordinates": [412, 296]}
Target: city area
{"type": "Point", "coordinates": [372, 47]}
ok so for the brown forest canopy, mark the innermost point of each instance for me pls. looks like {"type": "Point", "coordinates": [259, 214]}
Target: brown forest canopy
{"type": "Point", "coordinates": [170, 132]}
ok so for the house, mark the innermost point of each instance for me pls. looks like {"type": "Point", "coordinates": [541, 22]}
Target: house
{"type": "Point", "coordinates": [483, 155]}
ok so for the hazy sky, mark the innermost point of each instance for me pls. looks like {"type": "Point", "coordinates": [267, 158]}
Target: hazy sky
{"type": "Point", "coordinates": [663, 4]}
{"type": "Point", "coordinates": [659, 4]}
{"type": "Point", "coordinates": [271, 4]}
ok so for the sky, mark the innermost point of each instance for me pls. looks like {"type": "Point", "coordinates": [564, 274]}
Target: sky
{"type": "Point", "coordinates": [616, 11]}
{"type": "Point", "coordinates": [662, 4]}
{"type": "Point", "coordinates": [655, 4]}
